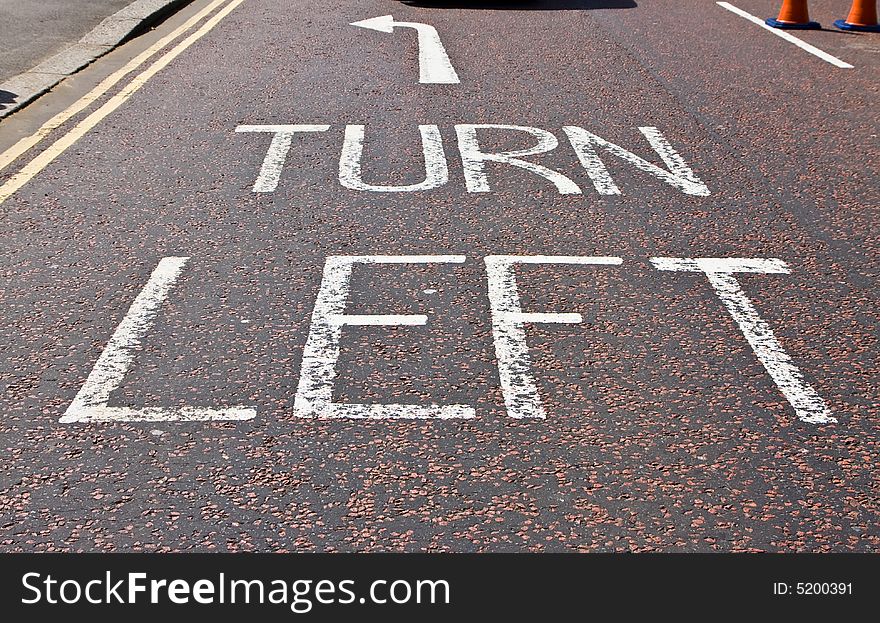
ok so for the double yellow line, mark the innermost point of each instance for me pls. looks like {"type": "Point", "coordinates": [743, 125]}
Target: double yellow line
{"type": "Point", "coordinates": [57, 148]}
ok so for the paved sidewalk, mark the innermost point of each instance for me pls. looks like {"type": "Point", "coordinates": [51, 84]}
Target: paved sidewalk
{"type": "Point", "coordinates": [32, 31]}
{"type": "Point", "coordinates": [21, 88]}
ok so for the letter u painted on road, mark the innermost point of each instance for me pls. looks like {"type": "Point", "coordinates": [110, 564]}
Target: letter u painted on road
{"type": "Point", "coordinates": [436, 172]}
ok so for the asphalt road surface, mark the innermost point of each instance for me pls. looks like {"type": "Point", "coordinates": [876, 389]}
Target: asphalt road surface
{"type": "Point", "coordinates": [451, 302]}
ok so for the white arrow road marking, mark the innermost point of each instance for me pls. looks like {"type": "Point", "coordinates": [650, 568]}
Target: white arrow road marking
{"type": "Point", "coordinates": [434, 64]}
{"type": "Point", "coordinates": [90, 404]}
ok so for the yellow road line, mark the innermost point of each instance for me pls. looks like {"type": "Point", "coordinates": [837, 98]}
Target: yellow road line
{"type": "Point", "coordinates": [23, 145]}
{"type": "Point", "coordinates": [80, 129]}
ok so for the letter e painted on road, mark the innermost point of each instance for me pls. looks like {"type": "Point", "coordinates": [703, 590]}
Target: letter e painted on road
{"type": "Point", "coordinates": [314, 394]}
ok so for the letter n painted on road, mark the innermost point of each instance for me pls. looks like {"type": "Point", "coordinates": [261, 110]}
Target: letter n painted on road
{"type": "Point", "coordinates": [678, 174]}
{"type": "Point", "coordinates": [508, 328]}
{"type": "Point", "coordinates": [314, 394]}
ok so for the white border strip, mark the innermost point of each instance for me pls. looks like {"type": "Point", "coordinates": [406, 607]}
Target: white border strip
{"type": "Point", "coordinates": [825, 56]}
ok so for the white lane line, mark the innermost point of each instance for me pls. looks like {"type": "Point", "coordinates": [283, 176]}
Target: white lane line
{"type": "Point", "coordinates": [80, 129]}
{"type": "Point", "coordinates": [825, 56]}
{"type": "Point", "coordinates": [807, 403]}
{"type": "Point", "coordinates": [24, 144]}
{"type": "Point", "coordinates": [90, 403]}
{"type": "Point", "coordinates": [434, 64]}
{"type": "Point", "coordinates": [508, 327]}
{"type": "Point", "coordinates": [314, 393]}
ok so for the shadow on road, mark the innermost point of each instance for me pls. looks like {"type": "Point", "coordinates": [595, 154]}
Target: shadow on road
{"type": "Point", "coordinates": [523, 5]}
{"type": "Point", "coordinates": [6, 98]}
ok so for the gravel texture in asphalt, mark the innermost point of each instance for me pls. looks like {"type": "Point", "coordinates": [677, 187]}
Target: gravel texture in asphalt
{"type": "Point", "coordinates": [663, 430]}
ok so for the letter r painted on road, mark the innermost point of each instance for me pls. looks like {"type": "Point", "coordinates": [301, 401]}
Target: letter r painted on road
{"type": "Point", "coordinates": [473, 158]}
{"type": "Point", "coordinates": [807, 403]}
{"type": "Point", "coordinates": [276, 155]}
{"type": "Point", "coordinates": [508, 328]}
{"type": "Point", "coordinates": [314, 394]}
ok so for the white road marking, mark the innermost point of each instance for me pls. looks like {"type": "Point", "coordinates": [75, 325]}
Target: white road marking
{"type": "Point", "coordinates": [807, 403]}
{"type": "Point", "coordinates": [57, 148]}
{"type": "Point", "coordinates": [90, 403]}
{"type": "Point", "coordinates": [436, 171]}
{"type": "Point", "coordinates": [434, 64]}
{"type": "Point", "coordinates": [379, 320]}
{"type": "Point", "coordinates": [26, 143]}
{"type": "Point", "coordinates": [105, 414]}
{"type": "Point", "coordinates": [508, 327]}
{"type": "Point", "coordinates": [276, 155]}
{"type": "Point", "coordinates": [679, 174]}
{"type": "Point", "coordinates": [825, 56]}
{"type": "Point", "coordinates": [314, 394]}
{"type": "Point", "coordinates": [473, 158]}
{"type": "Point", "coordinates": [586, 146]}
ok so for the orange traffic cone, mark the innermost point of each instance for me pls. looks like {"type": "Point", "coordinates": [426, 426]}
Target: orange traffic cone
{"type": "Point", "coordinates": [794, 15]}
{"type": "Point", "coordinates": [862, 16]}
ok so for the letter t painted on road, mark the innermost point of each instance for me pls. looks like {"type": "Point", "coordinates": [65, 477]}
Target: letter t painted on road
{"type": "Point", "coordinates": [276, 155]}
{"type": "Point", "coordinates": [808, 405]}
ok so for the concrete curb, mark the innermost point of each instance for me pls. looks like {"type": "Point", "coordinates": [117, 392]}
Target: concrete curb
{"type": "Point", "coordinates": [114, 30]}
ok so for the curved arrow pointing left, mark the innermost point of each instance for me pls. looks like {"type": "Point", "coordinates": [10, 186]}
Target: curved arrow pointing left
{"type": "Point", "coordinates": [434, 64]}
